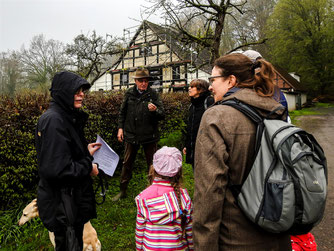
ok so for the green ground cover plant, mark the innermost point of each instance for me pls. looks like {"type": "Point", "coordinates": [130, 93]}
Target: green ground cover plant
{"type": "Point", "coordinates": [19, 176]}
{"type": "Point", "coordinates": [115, 224]}
{"type": "Point", "coordinates": [316, 109]}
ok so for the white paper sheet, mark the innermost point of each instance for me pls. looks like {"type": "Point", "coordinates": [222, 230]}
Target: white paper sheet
{"type": "Point", "coordinates": [106, 157]}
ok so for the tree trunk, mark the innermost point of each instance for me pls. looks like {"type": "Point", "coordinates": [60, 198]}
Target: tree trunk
{"type": "Point", "coordinates": [217, 37]}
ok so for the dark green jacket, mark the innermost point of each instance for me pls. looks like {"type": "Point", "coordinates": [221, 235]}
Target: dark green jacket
{"type": "Point", "coordinates": [139, 125]}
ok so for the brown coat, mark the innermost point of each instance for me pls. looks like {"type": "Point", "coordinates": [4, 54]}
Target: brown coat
{"type": "Point", "coordinates": [224, 150]}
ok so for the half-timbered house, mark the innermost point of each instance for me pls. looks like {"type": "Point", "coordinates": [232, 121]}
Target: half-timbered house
{"type": "Point", "coordinates": [173, 64]}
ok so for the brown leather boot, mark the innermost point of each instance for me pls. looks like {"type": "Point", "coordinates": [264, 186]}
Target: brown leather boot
{"type": "Point", "coordinates": [120, 195]}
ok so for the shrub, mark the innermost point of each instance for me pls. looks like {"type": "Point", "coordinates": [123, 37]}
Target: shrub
{"type": "Point", "coordinates": [103, 111]}
{"type": "Point", "coordinates": [18, 172]}
{"type": "Point", "coordinates": [18, 118]}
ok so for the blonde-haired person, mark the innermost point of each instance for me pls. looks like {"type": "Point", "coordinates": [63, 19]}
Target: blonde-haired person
{"type": "Point", "coordinates": [224, 155]}
{"type": "Point", "coordinates": [201, 99]}
{"type": "Point", "coordinates": [164, 209]}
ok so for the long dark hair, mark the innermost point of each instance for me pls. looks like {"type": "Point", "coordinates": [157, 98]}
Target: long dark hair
{"type": "Point", "coordinates": [176, 182]}
{"type": "Point", "coordinates": [258, 75]}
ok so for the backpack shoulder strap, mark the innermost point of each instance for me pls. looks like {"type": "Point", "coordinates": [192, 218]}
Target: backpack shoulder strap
{"type": "Point", "coordinates": [252, 114]}
{"type": "Point", "coordinates": [244, 108]}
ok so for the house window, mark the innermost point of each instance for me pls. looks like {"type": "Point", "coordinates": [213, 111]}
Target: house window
{"type": "Point", "coordinates": [176, 72]}
{"type": "Point", "coordinates": [149, 51]}
{"type": "Point", "coordinates": [124, 78]}
{"type": "Point", "coordinates": [156, 78]}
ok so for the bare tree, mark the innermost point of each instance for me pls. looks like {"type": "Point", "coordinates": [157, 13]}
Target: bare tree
{"type": "Point", "coordinates": [212, 15]}
{"type": "Point", "coordinates": [11, 76]}
{"type": "Point", "coordinates": [42, 60]}
{"type": "Point", "coordinates": [89, 52]}
{"type": "Point", "coordinates": [249, 26]}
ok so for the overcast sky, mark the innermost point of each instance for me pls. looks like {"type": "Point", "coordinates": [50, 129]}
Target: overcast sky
{"type": "Point", "coordinates": [62, 20]}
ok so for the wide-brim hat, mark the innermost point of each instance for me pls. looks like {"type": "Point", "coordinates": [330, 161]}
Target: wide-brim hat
{"type": "Point", "coordinates": [141, 73]}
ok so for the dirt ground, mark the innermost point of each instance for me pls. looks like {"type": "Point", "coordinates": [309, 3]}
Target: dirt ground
{"type": "Point", "coordinates": [322, 128]}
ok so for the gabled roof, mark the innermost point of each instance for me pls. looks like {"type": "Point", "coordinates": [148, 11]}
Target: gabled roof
{"type": "Point", "coordinates": [294, 83]}
{"type": "Point", "coordinates": [199, 59]}
{"type": "Point", "coordinates": [172, 39]}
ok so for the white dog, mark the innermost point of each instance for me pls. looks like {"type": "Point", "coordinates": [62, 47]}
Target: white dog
{"type": "Point", "coordinates": [90, 240]}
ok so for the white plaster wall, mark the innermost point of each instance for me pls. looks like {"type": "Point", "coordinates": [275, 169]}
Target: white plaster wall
{"type": "Point", "coordinates": [104, 82]}
{"type": "Point", "coordinates": [201, 75]}
{"type": "Point", "coordinates": [304, 99]}
{"type": "Point", "coordinates": [291, 99]}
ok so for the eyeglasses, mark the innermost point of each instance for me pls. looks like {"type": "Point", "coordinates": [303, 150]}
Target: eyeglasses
{"type": "Point", "coordinates": [142, 80]}
{"type": "Point", "coordinates": [213, 77]}
{"type": "Point", "coordinates": [85, 91]}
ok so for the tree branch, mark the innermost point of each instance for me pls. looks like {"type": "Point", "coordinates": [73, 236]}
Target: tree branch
{"type": "Point", "coordinates": [263, 41]}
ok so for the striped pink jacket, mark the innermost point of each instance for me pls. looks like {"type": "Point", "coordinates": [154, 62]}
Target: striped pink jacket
{"type": "Point", "coordinates": [158, 225]}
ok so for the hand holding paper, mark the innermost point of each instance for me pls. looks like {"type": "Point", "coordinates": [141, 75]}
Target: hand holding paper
{"type": "Point", "coordinates": [93, 147]}
{"type": "Point", "coordinates": [106, 157]}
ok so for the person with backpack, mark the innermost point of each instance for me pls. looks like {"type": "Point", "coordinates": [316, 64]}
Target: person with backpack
{"type": "Point", "coordinates": [201, 99]}
{"type": "Point", "coordinates": [164, 209]}
{"type": "Point", "coordinates": [298, 241]}
{"type": "Point", "coordinates": [224, 155]}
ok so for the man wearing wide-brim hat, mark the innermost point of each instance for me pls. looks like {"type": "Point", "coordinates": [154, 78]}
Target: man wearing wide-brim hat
{"type": "Point", "coordinates": [138, 120]}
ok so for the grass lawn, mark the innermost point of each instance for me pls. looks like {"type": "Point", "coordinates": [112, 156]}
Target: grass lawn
{"type": "Point", "coordinates": [115, 224]}
{"type": "Point", "coordinates": [317, 109]}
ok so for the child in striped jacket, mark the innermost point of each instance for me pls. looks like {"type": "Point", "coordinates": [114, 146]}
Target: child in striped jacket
{"type": "Point", "coordinates": [164, 209]}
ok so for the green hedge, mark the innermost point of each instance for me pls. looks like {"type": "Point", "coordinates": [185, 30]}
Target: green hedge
{"type": "Point", "coordinates": [18, 118]}
{"type": "Point", "coordinates": [18, 172]}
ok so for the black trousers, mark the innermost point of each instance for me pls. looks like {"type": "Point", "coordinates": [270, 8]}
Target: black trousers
{"type": "Point", "coordinates": [60, 238]}
{"type": "Point", "coordinates": [130, 154]}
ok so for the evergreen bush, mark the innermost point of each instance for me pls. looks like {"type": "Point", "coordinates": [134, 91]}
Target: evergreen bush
{"type": "Point", "coordinates": [18, 118]}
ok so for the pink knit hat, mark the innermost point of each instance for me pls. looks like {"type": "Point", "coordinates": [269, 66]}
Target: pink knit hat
{"type": "Point", "coordinates": [167, 161]}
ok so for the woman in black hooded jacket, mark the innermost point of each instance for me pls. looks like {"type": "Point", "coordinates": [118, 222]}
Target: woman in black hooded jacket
{"type": "Point", "coordinates": [201, 99]}
{"type": "Point", "coordinates": [65, 161]}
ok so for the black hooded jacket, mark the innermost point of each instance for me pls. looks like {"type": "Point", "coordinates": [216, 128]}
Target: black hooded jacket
{"type": "Point", "coordinates": [196, 110]}
{"type": "Point", "coordinates": [63, 158]}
